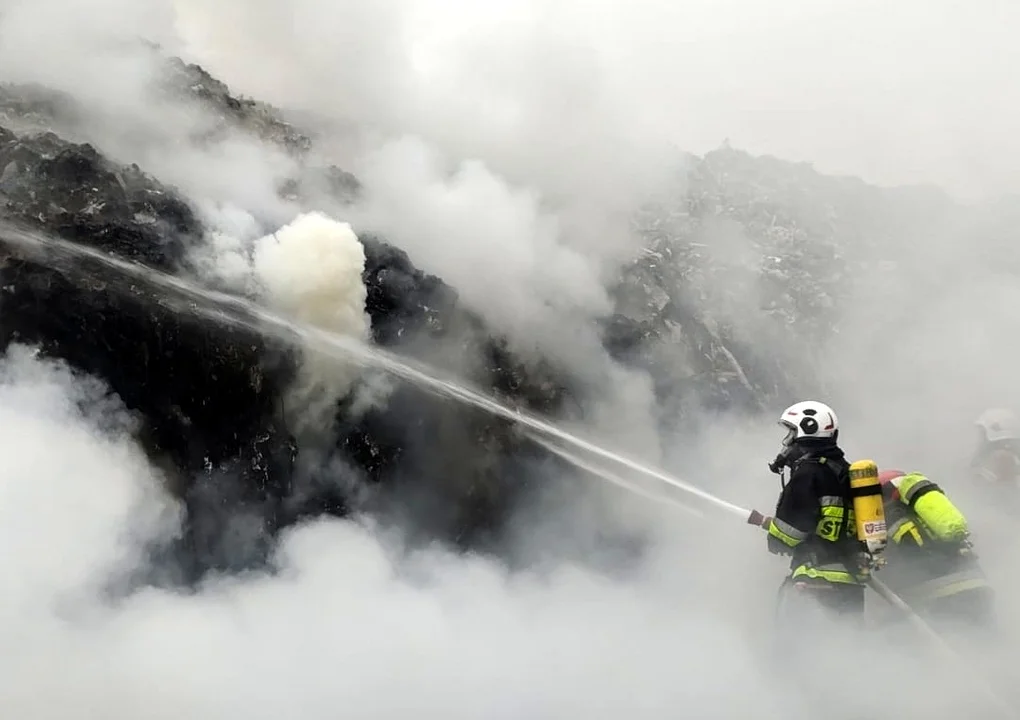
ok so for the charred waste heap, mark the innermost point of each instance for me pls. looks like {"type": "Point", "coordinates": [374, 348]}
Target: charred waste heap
{"type": "Point", "coordinates": [210, 399]}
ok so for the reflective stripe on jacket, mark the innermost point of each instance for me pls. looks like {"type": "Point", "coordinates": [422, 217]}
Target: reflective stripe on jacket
{"type": "Point", "coordinates": [812, 522]}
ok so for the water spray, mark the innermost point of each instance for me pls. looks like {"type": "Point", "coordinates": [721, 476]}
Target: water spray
{"type": "Point", "coordinates": [758, 519]}
{"type": "Point", "coordinates": [188, 298]}
{"type": "Point", "coordinates": [191, 299]}
{"type": "Point", "coordinates": [613, 478]}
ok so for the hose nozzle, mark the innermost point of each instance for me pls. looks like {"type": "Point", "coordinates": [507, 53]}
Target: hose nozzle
{"type": "Point", "coordinates": [756, 518]}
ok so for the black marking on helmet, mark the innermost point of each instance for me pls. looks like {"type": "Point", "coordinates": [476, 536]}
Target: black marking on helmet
{"type": "Point", "coordinates": [809, 425]}
{"type": "Point", "coordinates": [810, 411]}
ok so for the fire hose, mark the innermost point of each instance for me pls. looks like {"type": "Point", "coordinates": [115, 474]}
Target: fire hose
{"type": "Point", "coordinates": [757, 519]}
{"type": "Point", "coordinates": [937, 642]}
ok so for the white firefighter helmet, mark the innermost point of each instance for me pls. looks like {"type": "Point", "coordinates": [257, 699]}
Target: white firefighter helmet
{"type": "Point", "coordinates": [999, 424]}
{"type": "Point", "coordinates": [809, 419]}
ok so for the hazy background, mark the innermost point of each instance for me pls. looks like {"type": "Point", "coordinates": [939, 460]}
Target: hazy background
{"type": "Point", "coordinates": [908, 92]}
{"type": "Point", "coordinates": [504, 145]}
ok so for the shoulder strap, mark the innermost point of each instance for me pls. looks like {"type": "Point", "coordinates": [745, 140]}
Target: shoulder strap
{"type": "Point", "coordinates": [844, 481]}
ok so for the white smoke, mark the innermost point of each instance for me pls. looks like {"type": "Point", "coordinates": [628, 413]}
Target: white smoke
{"type": "Point", "coordinates": [538, 126]}
{"type": "Point", "coordinates": [489, 240]}
{"type": "Point", "coordinates": [70, 518]}
{"type": "Point", "coordinates": [312, 270]}
{"type": "Point", "coordinates": [349, 623]}
{"type": "Point", "coordinates": [499, 162]}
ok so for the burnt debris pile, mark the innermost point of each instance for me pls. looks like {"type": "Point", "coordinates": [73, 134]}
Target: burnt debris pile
{"type": "Point", "coordinates": [745, 265]}
{"type": "Point", "coordinates": [211, 398]}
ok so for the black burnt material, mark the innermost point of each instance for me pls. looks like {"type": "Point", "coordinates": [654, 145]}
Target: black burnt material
{"type": "Point", "coordinates": [454, 471]}
{"type": "Point", "coordinates": [211, 397]}
{"type": "Point", "coordinates": [207, 401]}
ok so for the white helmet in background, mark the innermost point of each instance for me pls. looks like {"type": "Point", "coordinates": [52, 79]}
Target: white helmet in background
{"type": "Point", "coordinates": [998, 424]}
{"type": "Point", "coordinates": [809, 419]}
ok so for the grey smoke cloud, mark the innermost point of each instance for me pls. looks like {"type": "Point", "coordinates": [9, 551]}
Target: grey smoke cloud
{"type": "Point", "coordinates": [916, 92]}
{"type": "Point", "coordinates": [559, 118]}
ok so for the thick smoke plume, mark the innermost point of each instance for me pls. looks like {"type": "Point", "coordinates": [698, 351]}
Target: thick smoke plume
{"type": "Point", "coordinates": [505, 146]}
{"type": "Point", "coordinates": [348, 621]}
{"type": "Point", "coordinates": [311, 270]}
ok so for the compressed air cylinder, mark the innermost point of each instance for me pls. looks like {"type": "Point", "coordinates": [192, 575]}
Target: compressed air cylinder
{"type": "Point", "coordinates": [869, 511]}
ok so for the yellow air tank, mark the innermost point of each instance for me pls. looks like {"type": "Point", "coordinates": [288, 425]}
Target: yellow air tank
{"type": "Point", "coordinates": [869, 512]}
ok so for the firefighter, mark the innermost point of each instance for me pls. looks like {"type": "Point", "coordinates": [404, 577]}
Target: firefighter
{"type": "Point", "coordinates": [996, 460]}
{"type": "Point", "coordinates": [813, 523]}
{"type": "Point", "coordinates": [930, 560]}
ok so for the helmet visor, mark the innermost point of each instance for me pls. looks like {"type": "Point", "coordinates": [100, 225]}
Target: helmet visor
{"type": "Point", "coordinates": [791, 434]}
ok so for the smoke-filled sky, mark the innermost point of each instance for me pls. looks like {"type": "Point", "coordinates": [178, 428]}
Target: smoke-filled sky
{"type": "Point", "coordinates": [901, 92]}
{"type": "Point", "coordinates": [502, 144]}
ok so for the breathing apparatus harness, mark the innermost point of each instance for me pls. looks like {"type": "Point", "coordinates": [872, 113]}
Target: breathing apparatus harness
{"type": "Point", "coordinates": [864, 555]}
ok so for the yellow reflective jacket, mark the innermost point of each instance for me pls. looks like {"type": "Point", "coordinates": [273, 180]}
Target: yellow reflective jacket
{"type": "Point", "coordinates": [813, 522]}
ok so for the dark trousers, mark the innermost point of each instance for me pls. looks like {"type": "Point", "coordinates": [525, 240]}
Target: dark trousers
{"type": "Point", "coordinates": [814, 611]}
{"type": "Point", "coordinates": [814, 625]}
